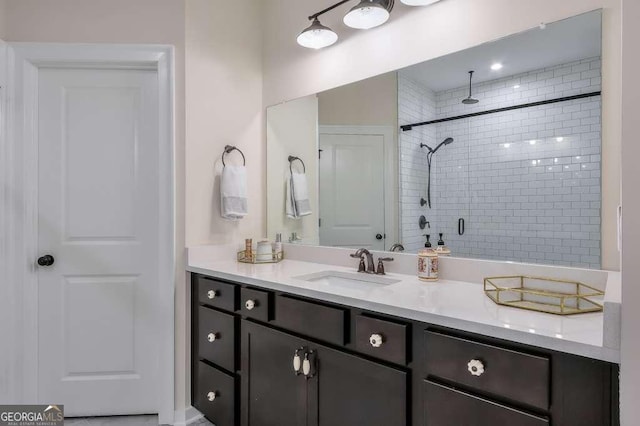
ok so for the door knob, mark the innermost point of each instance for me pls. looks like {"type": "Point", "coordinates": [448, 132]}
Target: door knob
{"type": "Point", "coordinates": [46, 260]}
{"type": "Point", "coordinates": [378, 236]}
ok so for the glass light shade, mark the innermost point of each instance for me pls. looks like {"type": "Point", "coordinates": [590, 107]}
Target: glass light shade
{"type": "Point", "coordinates": [367, 14]}
{"type": "Point", "coordinates": [419, 2]}
{"type": "Point", "coordinates": [317, 36]}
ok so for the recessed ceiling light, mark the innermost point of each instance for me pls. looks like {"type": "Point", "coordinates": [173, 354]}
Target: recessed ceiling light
{"type": "Point", "coordinates": [532, 142]}
{"type": "Point", "coordinates": [497, 66]}
{"type": "Point", "coordinates": [517, 86]}
{"type": "Point", "coordinates": [507, 145]}
{"type": "Point", "coordinates": [559, 139]}
{"type": "Point", "coordinates": [555, 160]}
{"type": "Point", "coordinates": [533, 162]}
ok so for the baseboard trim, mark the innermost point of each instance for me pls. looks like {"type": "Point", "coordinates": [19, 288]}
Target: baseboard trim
{"type": "Point", "coordinates": [187, 416]}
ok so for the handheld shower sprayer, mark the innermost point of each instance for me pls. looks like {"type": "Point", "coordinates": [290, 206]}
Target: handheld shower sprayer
{"type": "Point", "coordinates": [432, 151]}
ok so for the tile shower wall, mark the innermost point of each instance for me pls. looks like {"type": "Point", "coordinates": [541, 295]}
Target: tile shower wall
{"type": "Point", "coordinates": [416, 103]}
{"type": "Point", "coordinates": [526, 182]}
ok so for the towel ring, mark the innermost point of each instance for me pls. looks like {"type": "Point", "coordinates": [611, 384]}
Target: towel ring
{"type": "Point", "coordinates": [292, 159]}
{"type": "Point", "coordinates": [228, 149]}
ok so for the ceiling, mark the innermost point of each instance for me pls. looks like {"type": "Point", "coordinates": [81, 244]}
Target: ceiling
{"type": "Point", "coordinates": [560, 42]}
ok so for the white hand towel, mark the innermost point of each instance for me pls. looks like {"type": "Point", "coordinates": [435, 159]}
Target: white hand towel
{"type": "Point", "coordinates": [300, 191]}
{"type": "Point", "coordinates": [233, 192]}
{"type": "Point", "coordinates": [290, 206]}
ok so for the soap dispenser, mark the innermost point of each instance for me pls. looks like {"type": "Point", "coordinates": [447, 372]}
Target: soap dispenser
{"type": "Point", "coordinates": [442, 249]}
{"type": "Point", "coordinates": [428, 262]}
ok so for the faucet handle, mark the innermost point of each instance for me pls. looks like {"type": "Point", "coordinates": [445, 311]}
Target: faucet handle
{"type": "Point", "coordinates": [380, 270]}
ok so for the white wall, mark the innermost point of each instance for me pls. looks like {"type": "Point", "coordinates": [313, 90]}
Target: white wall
{"type": "Point", "coordinates": [370, 102]}
{"type": "Point", "coordinates": [630, 372]}
{"type": "Point", "coordinates": [224, 106]}
{"type": "Point", "coordinates": [3, 16]}
{"type": "Point", "coordinates": [292, 129]}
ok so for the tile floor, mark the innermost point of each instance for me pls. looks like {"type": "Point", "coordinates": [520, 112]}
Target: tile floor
{"type": "Point", "coordinates": [122, 421]}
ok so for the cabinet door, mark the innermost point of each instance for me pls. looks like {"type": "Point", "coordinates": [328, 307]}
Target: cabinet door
{"type": "Point", "coordinates": [272, 394]}
{"type": "Point", "coordinates": [347, 390]}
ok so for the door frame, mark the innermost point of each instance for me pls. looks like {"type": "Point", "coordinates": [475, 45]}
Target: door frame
{"type": "Point", "coordinates": [390, 171]}
{"type": "Point", "coordinates": [20, 149]}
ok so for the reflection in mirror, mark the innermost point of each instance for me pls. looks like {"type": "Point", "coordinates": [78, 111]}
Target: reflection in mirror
{"type": "Point", "coordinates": [504, 161]}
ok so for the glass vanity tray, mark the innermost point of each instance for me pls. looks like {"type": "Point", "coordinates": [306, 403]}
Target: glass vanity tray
{"type": "Point", "coordinates": [549, 295]}
{"type": "Point", "coordinates": [243, 258]}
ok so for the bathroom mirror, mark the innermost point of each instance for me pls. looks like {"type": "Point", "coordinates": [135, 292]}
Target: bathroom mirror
{"type": "Point", "coordinates": [504, 161]}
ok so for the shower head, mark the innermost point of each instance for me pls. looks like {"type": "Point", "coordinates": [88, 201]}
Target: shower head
{"type": "Point", "coordinates": [447, 141]}
{"type": "Point", "coordinates": [432, 151]}
{"type": "Point", "coordinates": [470, 100]}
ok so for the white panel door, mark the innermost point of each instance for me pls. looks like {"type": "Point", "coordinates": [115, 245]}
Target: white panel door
{"type": "Point", "coordinates": [352, 191]}
{"type": "Point", "coordinates": [98, 157]}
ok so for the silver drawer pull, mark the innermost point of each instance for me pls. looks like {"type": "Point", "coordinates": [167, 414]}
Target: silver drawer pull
{"type": "Point", "coordinates": [212, 395]}
{"type": "Point", "coordinates": [376, 340]}
{"type": "Point", "coordinates": [211, 337]}
{"type": "Point", "coordinates": [211, 294]}
{"type": "Point", "coordinates": [250, 304]}
{"type": "Point", "coordinates": [475, 367]}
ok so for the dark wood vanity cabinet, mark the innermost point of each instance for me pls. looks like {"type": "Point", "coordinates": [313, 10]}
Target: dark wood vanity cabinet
{"type": "Point", "coordinates": [338, 389]}
{"type": "Point", "coordinates": [265, 358]}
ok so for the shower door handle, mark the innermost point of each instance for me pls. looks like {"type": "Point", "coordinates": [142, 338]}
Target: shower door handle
{"type": "Point", "coordinates": [460, 226]}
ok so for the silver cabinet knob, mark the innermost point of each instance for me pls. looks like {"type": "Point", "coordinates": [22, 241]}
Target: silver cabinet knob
{"type": "Point", "coordinates": [475, 367]}
{"type": "Point", "coordinates": [376, 340]}
{"type": "Point", "coordinates": [211, 396]}
{"type": "Point", "coordinates": [250, 304]}
{"type": "Point", "coordinates": [211, 294]}
{"type": "Point", "coordinates": [211, 337]}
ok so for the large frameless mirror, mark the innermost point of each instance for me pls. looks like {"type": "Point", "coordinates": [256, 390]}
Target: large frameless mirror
{"type": "Point", "coordinates": [497, 148]}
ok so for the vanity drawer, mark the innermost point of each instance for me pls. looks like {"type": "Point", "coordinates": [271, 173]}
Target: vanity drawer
{"type": "Point", "coordinates": [216, 337]}
{"type": "Point", "coordinates": [323, 322]}
{"type": "Point", "coordinates": [445, 406]}
{"type": "Point", "coordinates": [382, 339]}
{"type": "Point", "coordinates": [256, 304]}
{"type": "Point", "coordinates": [216, 293]}
{"type": "Point", "coordinates": [514, 375]}
{"type": "Point", "coordinates": [215, 395]}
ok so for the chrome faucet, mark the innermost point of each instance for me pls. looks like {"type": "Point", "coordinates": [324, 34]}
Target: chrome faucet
{"type": "Point", "coordinates": [397, 247]}
{"type": "Point", "coordinates": [361, 253]}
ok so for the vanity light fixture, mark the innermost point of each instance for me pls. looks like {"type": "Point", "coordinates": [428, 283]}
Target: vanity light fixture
{"type": "Point", "coordinates": [365, 15]}
{"type": "Point", "coordinates": [496, 67]}
{"type": "Point", "coordinates": [317, 36]}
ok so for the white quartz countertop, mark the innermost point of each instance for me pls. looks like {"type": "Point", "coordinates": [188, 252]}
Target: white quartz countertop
{"type": "Point", "coordinates": [455, 304]}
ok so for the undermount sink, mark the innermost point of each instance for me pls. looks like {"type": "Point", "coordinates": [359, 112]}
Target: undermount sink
{"type": "Point", "coordinates": [346, 280]}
